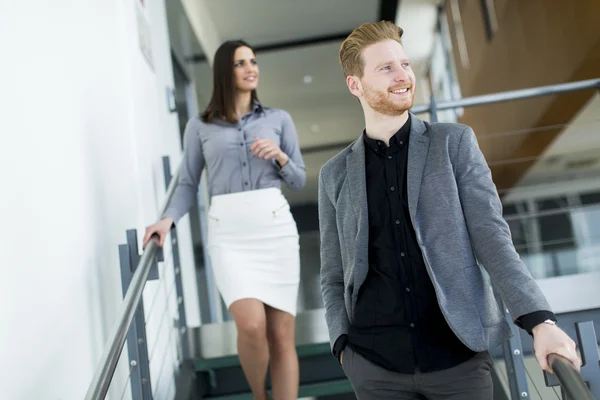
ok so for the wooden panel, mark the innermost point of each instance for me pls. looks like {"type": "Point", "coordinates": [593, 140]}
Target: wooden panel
{"type": "Point", "coordinates": [538, 42]}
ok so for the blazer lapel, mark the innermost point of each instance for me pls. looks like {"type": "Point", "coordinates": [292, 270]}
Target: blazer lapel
{"type": "Point", "coordinates": [418, 147]}
{"type": "Point", "coordinates": [355, 169]}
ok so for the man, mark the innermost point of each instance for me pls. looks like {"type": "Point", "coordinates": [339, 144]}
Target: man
{"type": "Point", "coordinates": [407, 215]}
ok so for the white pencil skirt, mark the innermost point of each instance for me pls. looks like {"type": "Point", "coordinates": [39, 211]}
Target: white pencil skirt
{"type": "Point", "coordinates": [254, 248]}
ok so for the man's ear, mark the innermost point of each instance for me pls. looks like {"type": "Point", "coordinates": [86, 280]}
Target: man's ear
{"type": "Point", "coordinates": [354, 85]}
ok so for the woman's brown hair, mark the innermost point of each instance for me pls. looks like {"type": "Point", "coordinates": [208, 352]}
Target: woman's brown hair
{"type": "Point", "coordinates": [222, 102]}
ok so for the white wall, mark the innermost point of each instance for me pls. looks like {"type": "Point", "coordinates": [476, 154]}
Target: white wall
{"type": "Point", "coordinates": [84, 125]}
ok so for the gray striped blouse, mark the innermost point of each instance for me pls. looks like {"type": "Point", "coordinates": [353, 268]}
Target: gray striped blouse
{"type": "Point", "coordinates": [224, 149]}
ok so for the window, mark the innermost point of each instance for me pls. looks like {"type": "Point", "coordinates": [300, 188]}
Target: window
{"type": "Point", "coordinates": [555, 226]}
{"type": "Point", "coordinates": [517, 222]}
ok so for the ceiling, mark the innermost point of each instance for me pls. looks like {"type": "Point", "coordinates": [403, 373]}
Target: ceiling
{"type": "Point", "coordinates": [306, 80]}
{"type": "Point", "coordinates": [263, 22]}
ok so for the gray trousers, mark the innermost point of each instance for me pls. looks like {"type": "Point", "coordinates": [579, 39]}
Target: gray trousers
{"type": "Point", "coordinates": [471, 380]}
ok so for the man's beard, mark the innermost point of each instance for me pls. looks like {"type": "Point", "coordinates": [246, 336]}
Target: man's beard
{"type": "Point", "coordinates": [380, 102]}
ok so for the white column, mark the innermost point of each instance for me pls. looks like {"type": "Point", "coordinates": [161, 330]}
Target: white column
{"type": "Point", "coordinates": [203, 26]}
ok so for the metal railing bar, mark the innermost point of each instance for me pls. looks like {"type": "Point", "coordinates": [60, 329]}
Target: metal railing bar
{"type": "Point", "coordinates": [502, 97]}
{"type": "Point", "coordinates": [532, 187]}
{"type": "Point", "coordinates": [545, 128]}
{"type": "Point", "coordinates": [163, 363]}
{"type": "Point", "coordinates": [533, 382]}
{"type": "Point", "coordinates": [557, 211]}
{"type": "Point", "coordinates": [509, 161]}
{"type": "Point", "coordinates": [547, 243]}
{"type": "Point", "coordinates": [110, 358]}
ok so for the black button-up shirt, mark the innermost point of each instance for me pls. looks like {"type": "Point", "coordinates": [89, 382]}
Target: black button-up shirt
{"type": "Point", "coordinates": [398, 323]}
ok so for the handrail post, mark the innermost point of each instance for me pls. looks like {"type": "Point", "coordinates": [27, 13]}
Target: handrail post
{"type": "Point", "coordinates": [515, 365]}
{"type": "Point", "coordinates": [137, 343]}
{"type": "Point", "coordinates": [433, 111]}
{"type": "Point", "coordinates": [184, 346]}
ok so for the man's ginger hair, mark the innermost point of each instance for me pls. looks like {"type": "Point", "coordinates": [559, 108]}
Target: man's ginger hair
{"type": "Point", "coordinates": [365, 35]}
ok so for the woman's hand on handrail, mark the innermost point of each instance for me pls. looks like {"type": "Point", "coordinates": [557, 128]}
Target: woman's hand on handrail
{"type": "Point", "coordinates": [160, 229]}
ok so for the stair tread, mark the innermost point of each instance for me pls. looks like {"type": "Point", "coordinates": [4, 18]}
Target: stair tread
{"type": "Point", "coordinates": [307, 390]}
{"type": "Point", "coordinates": [205, 364]}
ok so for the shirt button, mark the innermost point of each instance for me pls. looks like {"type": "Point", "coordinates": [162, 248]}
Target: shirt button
{"type": "Point", "coordinates": [246, 183]}
{"type": "Point", "coordinates": [244, 164]}
{"type": "Point", "coordinates": [392, 188]}
{"type": "Point", "coordinates": [412, 325]}
{"type": "Point", "coordinates": [239, 129]}
{"type": "Point", "coordinates": [379, 143]}
{"type": "Point", "coordinates": [401, 142]}
{"type": "Point", "coordinates": [360, 260]}
{"type": "Point", "coordinates": [397, 222]}
{"type": "Point", "coordinates": [402, 254]}
{"type": "Point", "coordinates": [389, 157]}
{"type": "Point", "coordinates": [408, 289]}
{"type": "Point", "coordinates": [241, 143]}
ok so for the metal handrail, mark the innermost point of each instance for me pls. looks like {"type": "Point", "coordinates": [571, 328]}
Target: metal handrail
{"type": "Point", "coordinates": [570, 380]}
{"type": "Point", "coordinates": [502, 97]}
{"type": "Point", "coordinates": [110, 358]}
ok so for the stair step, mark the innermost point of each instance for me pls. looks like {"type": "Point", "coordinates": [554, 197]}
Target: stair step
{"type": "Point", "coordinates": [206, 364]}
{"type": "Point", "coordinates": [309, 390]}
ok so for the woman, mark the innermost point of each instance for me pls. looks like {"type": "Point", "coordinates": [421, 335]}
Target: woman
{"type": "Point", "coordinates": [252, 237]}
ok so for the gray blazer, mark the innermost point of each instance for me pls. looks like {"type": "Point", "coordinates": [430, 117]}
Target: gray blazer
{"type": "Point", "coordinates": [457, 217]}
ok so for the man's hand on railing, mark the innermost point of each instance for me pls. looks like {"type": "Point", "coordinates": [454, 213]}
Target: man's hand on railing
{"type": "Point", "coordinates": [549, 339]}
{"type": "Point", "coordinates": [161, 228]}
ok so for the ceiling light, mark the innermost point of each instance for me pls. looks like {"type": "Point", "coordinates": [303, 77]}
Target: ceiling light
{"type": "Point", "coordinates": [308, 79]}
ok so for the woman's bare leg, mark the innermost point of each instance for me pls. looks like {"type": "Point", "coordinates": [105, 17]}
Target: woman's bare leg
{"type": "Point", "coordinates": [284, 360]}
{"type": "Point", "coordinates": [253, 350]}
